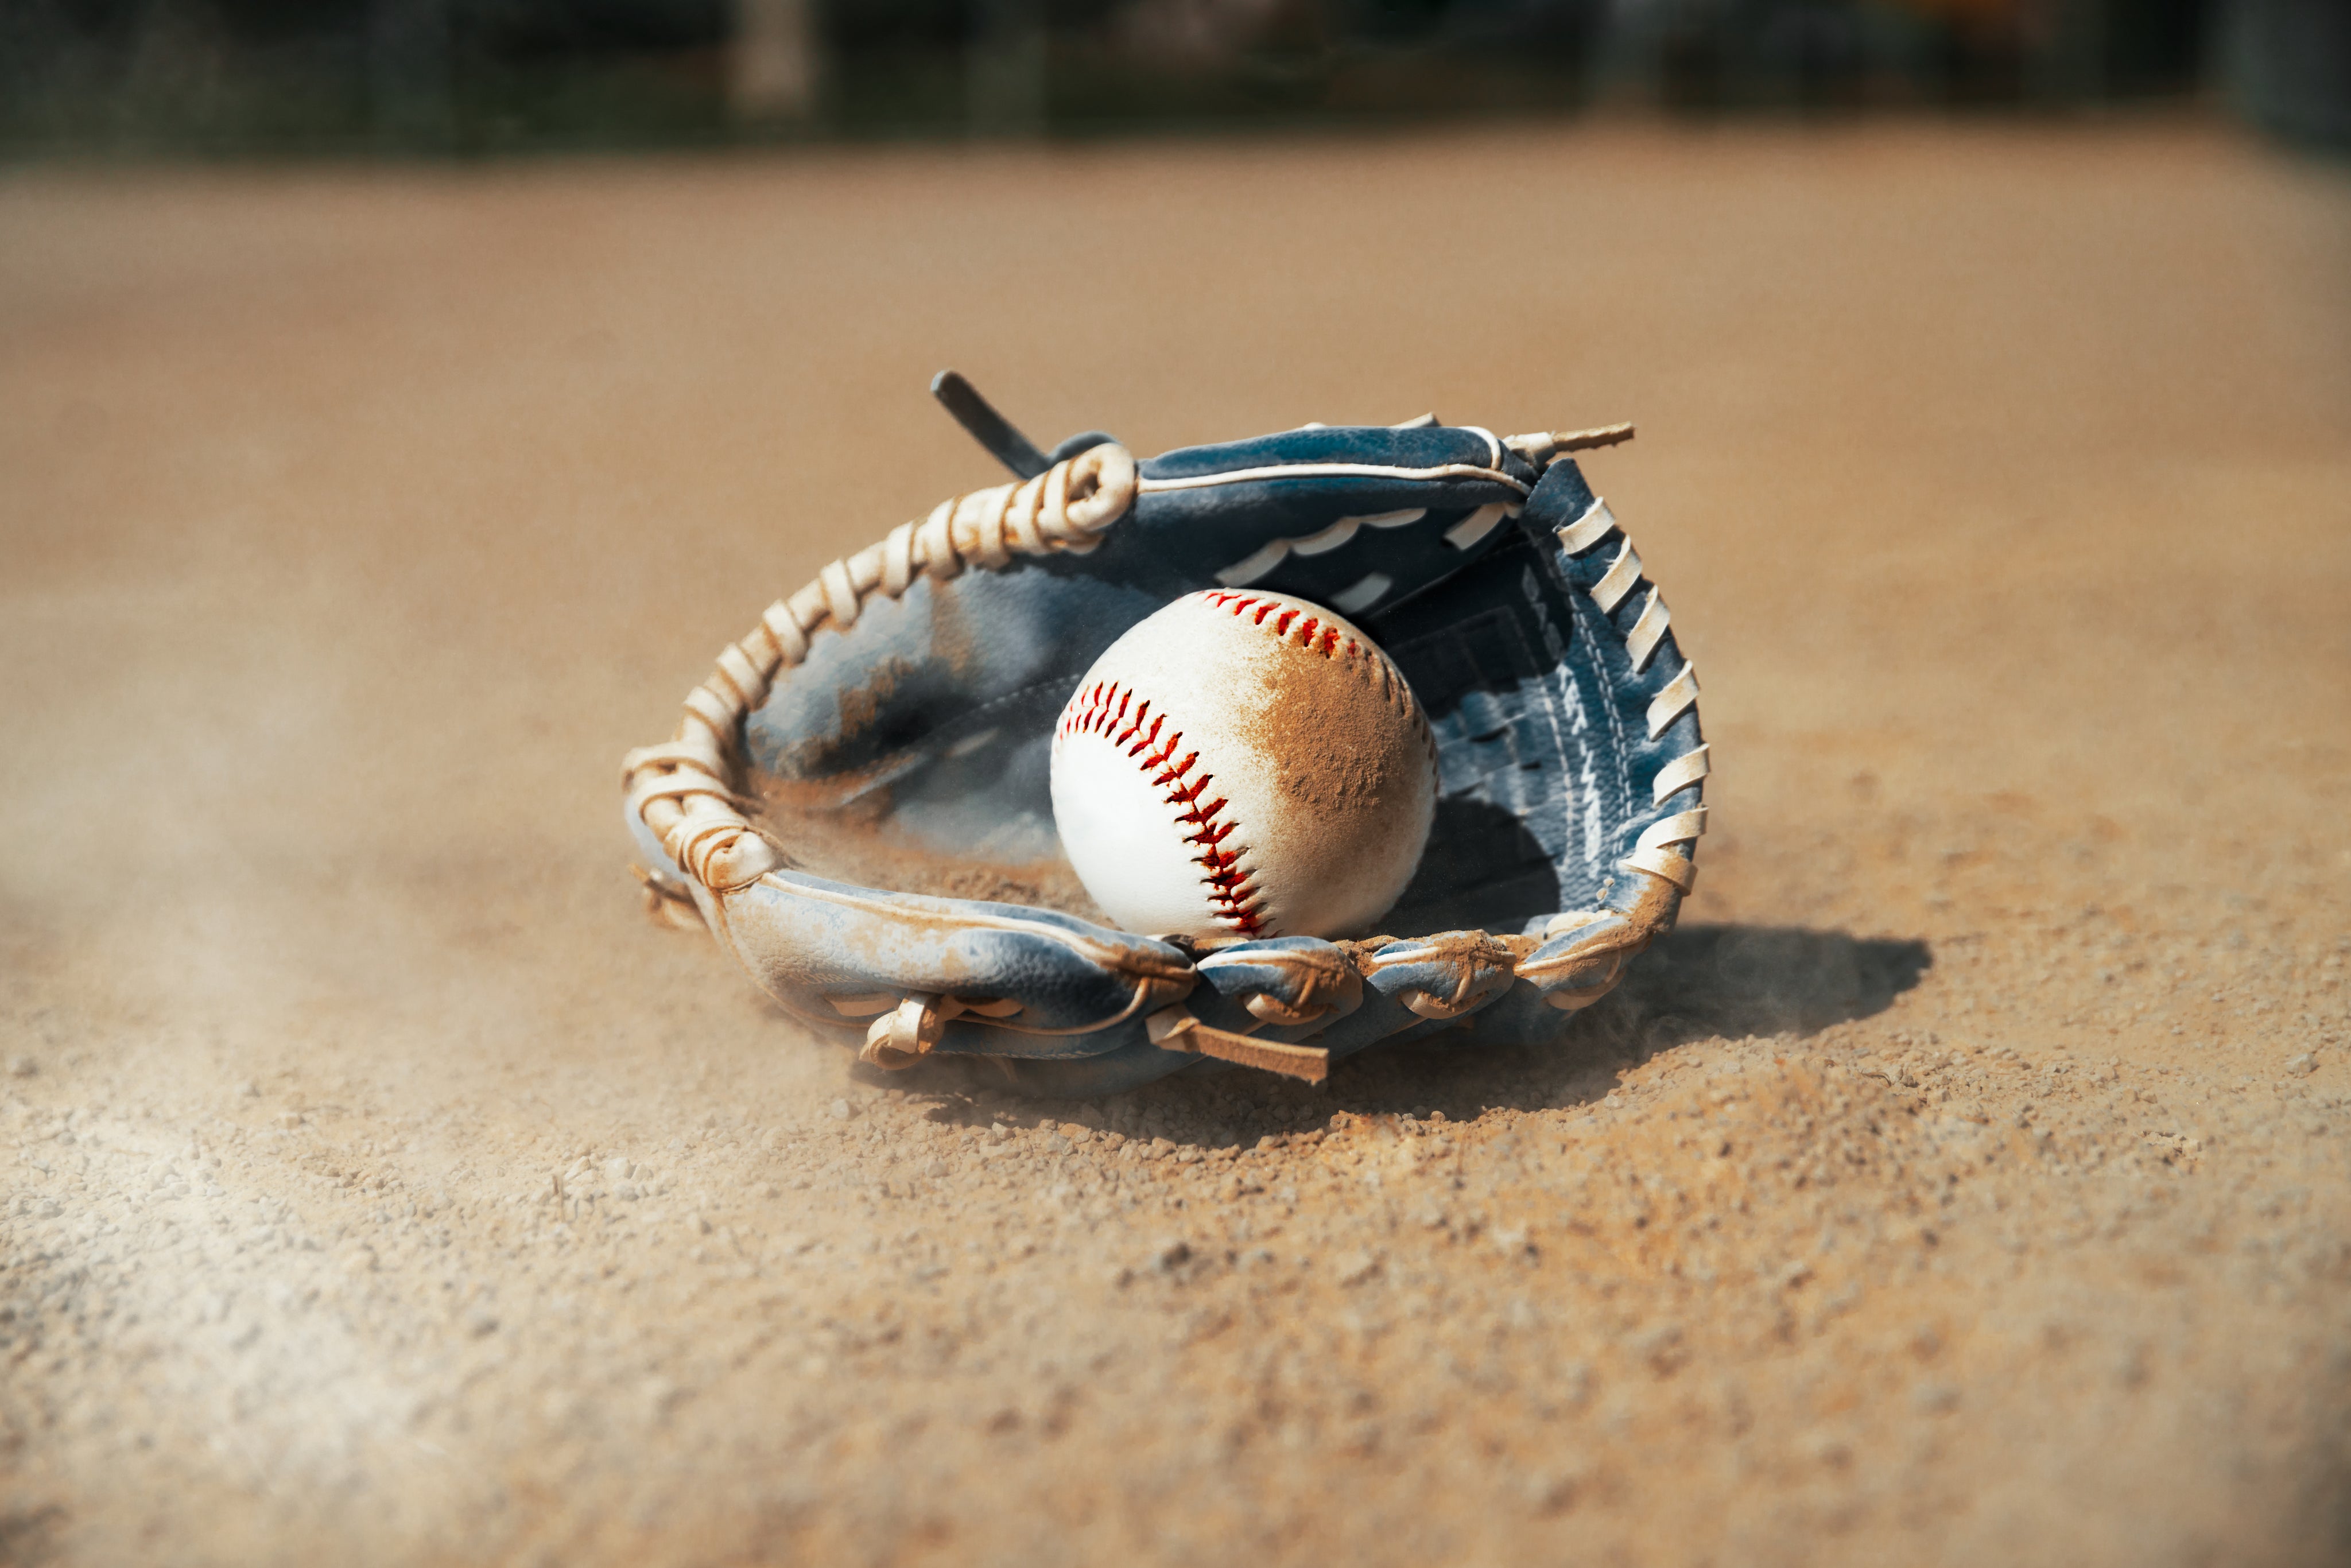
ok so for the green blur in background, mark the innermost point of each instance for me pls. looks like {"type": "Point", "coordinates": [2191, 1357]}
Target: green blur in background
{"type": "Point", "coordinates": [146, 78]}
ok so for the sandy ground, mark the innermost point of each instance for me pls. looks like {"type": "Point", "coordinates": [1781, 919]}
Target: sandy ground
{"type": "Point", "coordinates": [1964, 1183]}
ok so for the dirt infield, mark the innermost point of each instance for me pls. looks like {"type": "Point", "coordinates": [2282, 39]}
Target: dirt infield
{"type": "Point", "coordinates": [1964, 1182]}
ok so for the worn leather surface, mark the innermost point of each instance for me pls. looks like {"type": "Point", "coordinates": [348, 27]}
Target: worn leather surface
{"type": "Point", "coordinates": [926, 724]}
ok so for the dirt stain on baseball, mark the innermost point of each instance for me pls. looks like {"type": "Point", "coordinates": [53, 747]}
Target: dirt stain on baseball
{"type": "Point", "coordinates": [1333, 735]}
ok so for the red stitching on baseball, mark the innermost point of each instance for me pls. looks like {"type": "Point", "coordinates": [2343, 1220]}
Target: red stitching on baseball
{"type": "Point", "coordinates": [1322, 639]}
{"type": "Point", "coordinates": [1103, 709]}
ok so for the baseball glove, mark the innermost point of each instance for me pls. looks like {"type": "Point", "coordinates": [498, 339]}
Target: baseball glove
{"type": "Point", "coordinates": [889, 725]}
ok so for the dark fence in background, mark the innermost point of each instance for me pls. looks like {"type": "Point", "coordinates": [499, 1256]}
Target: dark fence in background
{"type": "Point", "coordinates": [474, 76]}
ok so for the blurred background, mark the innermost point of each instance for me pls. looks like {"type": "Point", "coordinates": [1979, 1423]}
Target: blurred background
{"type": "Point", "coordinates": [139, 76]}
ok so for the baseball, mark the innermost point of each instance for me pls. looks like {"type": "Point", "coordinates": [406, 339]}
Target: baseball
{"type": "Point", "coordinates": [1243, 765]}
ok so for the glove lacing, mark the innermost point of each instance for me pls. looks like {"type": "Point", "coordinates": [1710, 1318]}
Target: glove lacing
{"type": "Point", "coordinates": [685, 791]}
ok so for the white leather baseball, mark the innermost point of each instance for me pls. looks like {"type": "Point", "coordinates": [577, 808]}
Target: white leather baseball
{"type": "Point", "coordinates": [1241, 765]}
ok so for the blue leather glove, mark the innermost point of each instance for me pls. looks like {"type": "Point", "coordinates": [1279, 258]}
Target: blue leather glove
{"type": "Point", "coordinates": [890, 722]}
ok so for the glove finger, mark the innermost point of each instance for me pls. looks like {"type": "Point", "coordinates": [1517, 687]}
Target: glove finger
{"type": "Point", "coordinates": [1411, 987]}
{"type": "Point", "coordinates": [834, 953]}
{"type": "Point", "coordinates": [1443, 977]}
{"type": "Point", "coordinates": [1285, 981]}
